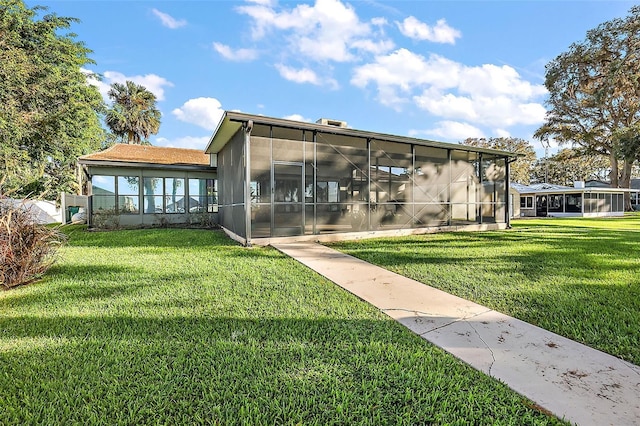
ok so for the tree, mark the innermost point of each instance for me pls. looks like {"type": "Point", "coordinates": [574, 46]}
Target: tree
{"type": "Point", "coordinates": [133, 116]}
{"type": "Point", "coordinates": [48, 112]}
{"type": "Point", "coordinates": [594, 93]}
{"type": "Point", "coordinates": [569, 165]}
{"type": "Point", "coordinates": [520, 170]}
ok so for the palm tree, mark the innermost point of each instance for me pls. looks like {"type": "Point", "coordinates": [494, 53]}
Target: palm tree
{"type": "Point", "coordinates": [133, 115]}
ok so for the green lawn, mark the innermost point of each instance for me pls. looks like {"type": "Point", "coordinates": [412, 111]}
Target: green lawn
{"type": "Point", "coordinates": [577, 277]}
{"type": "Point", "coordinates": [174, 326]}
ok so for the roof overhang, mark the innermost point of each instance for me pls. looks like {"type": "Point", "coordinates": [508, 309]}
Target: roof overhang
{"type": "Point", "coordinates": [573, 191]}
{"type": "Point", "coordinates": [141, 165]}
{"type": "Point", "coordinates": [232, 121]}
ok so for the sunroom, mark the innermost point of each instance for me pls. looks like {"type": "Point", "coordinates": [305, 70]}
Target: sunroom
{"type": "Point", "coordinates": [133, 185]}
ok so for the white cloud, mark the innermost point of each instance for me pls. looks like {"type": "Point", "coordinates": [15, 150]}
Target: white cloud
{"type": "Point", "coordinates": [405, 70]}
{"type": "Point", "coordinates": [240, 55]}
{"type": "Point", "coordinates": [450, 130]}
{"type": "Point", "coordinates": [440, 33]}
{"type": "Point", "coordinates": [203, 112]}
{"type": "Point", "coordinates": [94, 79]}
{"type": "Point", "coordinates": [305, 75]}
{"type": "Point", "coordinates": [487, 95]}
{"type": "Point", "coordinates": [168, 20]}
{"type": "Point", "coordinates": [191, 142]}
{"type": "Point", "coordinates": [297, 117]}
{"type": "Point", "coordinates": [502, 133]}
{"type": "Point", "coordinates": [152, 82]}
{"type": "Point", "coordinates": [329, 30]}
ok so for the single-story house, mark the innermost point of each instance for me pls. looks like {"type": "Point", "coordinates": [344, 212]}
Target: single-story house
{"type": "Point", "coordinates": [268, 177]}
{"type": "Point", "coordinates": [544, 199]}
{"type": "Point", "coordinates": [146, 185]}
{"type": "Point", "coordinates": [634, 185]}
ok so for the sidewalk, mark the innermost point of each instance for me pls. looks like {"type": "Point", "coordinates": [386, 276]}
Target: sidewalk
{"type": "Point", "coordinates": [574, 382]}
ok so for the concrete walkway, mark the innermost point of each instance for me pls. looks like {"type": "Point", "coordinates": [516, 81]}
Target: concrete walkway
{"type": "Point", "coordinates": [577, 383]}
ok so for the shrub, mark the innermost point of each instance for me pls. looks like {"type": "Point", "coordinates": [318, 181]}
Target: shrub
{"type": "Point", "coordinates": [106, 219]}
{"type": "Point", "coordinates": [27, 248]}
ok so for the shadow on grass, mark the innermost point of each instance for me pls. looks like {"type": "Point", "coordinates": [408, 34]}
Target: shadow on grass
{"type": "Point", "coordinates": [157, 237]}
{"type": "Point", "coordinates": [126, 369]}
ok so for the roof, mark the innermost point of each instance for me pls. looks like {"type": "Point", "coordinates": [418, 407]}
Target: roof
{"type": "Point", "coordinates": [232, 121]}
{"type": "Point", "coordinates": [125, 153]}
{"type": "Point", "coordinates": [549, 188]}
{"type": "Point", "coordinates": [633, 183]}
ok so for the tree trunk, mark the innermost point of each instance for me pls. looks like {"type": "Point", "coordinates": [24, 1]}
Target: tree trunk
{"type": "Point", "coordinates": [625, 182]}
{"type": "Point", "coordinates": [613, 174]}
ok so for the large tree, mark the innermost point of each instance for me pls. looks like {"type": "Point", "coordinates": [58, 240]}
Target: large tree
{"type": "Point", "coordinates": [520, 170]}
{"type": "Point", "coordinates": [594, 94]}
{"type": "Point", "coordinates": [133, 117]}
{"type": "Point", "coordinates": [48, 112]}
{"type": "Point", "coordinates": [569, 165]}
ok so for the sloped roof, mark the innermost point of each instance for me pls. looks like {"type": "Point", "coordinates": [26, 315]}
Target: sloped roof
{"type": "Point", "coordinates": [149, 154]}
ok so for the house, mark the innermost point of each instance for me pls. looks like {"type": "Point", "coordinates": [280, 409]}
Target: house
{"type": "Point", "coordinates": [146, 185]}
{"type": "Point", "coordinates": [544, 199]}
{"type": "Point", "coordinates": [272, 178]}
{"type": "Point", "coordinates": [634, 185]}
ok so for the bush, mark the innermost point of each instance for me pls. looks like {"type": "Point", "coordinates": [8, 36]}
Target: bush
{"type": "Point", "coordinates": [27, 248]}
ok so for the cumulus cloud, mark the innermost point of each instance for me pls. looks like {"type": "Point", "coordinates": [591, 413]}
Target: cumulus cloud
{"type": "Point", "coordinates": [440, 33]}
{"type": "Point", "coordinates": [239, 55]}
{"type": "Point", "coordinates": [305, 75]}
{"type": "Point", "coordinates": [191, 142]}
{"type": "Point", "coordinates": [203, 112]}
{"type": "Point", "coordinates": [152, 82]}
{"type": "Point", "coordinates": [488, 95]}
{"type": "Point", "coordinates": [328, 30]}
{"type": "Point", "coordinates": [168, 20]}
{"type": "Point", "coordinates": [297, 117]}
{"type": "Point", "coordinates": [450, 130]}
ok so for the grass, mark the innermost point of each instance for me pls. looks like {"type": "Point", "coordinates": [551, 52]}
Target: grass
{"type": "Point", "coordinates": [576, 277]}
{"type": "Point", "coordinates": [174, 326]}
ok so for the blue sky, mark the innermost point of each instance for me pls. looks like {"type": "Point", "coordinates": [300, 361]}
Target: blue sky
{"type": "Point", "coordinates": [440, 70]}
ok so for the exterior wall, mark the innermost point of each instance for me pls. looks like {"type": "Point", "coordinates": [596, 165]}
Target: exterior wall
{"type": "Point", "coordinates": [231, 168]}
{"type": "Point", "coordinates": [142, 199]}
{"type": "Point", "coordinates": [574, 204]}
{"type": "Point", "coordinates": [514, 203]}
{"type": "Point", "coordinates": [312, 183]}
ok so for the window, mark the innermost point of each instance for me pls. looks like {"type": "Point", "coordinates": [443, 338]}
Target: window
{"type": "Point", "coordinates": [526, 202]}
{"type": "Point", "coordinates": [328, 192]}
{"type": "Point", "coordinates": [104, 193]}
{"type": "Point", "coordinates": [174, 201]}
{"type": "Point", "coordinates": [152, 194]}
{"type": "Point", "coordinates": [128, 194]}
{"type": "Point", "coordinates": [203, 195]}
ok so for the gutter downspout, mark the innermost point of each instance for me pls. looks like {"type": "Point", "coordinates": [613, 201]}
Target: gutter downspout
{"type": "Point", "coordinates": [248, 126]}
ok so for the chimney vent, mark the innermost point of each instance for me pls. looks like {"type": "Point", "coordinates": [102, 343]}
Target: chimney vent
{"type": "Point", "coordinates": [335, 123]}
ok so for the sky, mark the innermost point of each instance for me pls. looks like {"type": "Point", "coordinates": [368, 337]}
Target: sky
{"type": "Point", "coordinates": [438, 70]}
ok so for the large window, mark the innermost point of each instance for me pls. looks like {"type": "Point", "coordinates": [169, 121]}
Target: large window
{"type": "Point", "coordinates": [159, 195]}
{"type": "Point", "coordinates": [203, 195]}
{"type": "Point", "coordinates": [174, 198]}
{"type": "Point", "coordinates": [104, 193]}
{"type": "Point", "coordinates": [128, 194]}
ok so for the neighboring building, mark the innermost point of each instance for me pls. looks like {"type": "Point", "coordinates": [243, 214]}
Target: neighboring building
{"type": "Point", "coordinates": [279, 178]}
{"type": "Point", "coordinates": [634, 185]}
{"type": "Point", "coordinates": [545, 199]}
